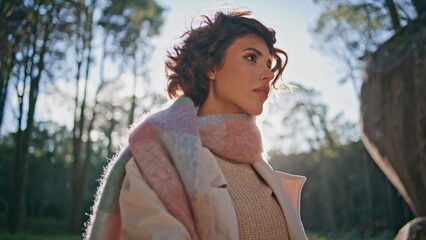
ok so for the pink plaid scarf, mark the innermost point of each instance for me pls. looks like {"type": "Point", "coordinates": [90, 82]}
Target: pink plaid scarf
{"type": "Point", "coordinates": [167, 147]}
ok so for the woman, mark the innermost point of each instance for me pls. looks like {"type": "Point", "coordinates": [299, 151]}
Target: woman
{"type": "Point", "coordinates": [194, 170]}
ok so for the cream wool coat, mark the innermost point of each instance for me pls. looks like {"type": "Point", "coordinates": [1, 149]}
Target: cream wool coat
{"type": "Point", "coordinates": [143, 215]}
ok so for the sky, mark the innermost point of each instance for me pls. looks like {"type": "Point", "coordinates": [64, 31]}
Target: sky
{"type": "Point", "coordinates": [292, 21]}
{"type": "Point", "coordinates": [308, 65]}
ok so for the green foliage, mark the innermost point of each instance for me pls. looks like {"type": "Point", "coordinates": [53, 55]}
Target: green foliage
{"type": "Point", "coordinates": [346, 195]}
{"type": "Point", "coordinates": [350, 30]}
{"type": "Point", "coordinates": [35, 35]}
{"type": "Point", "coordinates": [131, 22]}
{"type": "Point", "coordinates": [31, 36]}
{"type": "Point", "coordinates": [312, 127]}
{"type": "Point", "coordinates": [25, 236]}
{"type": "Point", "coordinates": [6, 155]}
{"type": "Point", "coordinates": [349, 236]}
{"type": "Point", "coordinates": [361, 25]}
{"type": "Point", "coordinates": [47, 205]}
{"type": "Point", "coordinates": [47, 190]}
{"type": "Point", "coordinates": [348, 192]}
{"type": "Point", "coordinates": [43, 225]}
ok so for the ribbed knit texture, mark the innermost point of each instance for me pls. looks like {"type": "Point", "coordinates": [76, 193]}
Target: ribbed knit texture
{"type": "Point", "coordinates": [258, 212]}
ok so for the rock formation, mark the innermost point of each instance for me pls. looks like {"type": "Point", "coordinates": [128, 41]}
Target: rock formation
{"type": "Point", "coordinates": [393, 112]}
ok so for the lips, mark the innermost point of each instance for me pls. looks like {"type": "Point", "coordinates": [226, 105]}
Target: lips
{"type": "Point", "coordinates": [262, 91]}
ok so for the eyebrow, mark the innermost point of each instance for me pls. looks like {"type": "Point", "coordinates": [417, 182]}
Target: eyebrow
{"type": "Point", "coordinates": [258, 53]}
{"type": "Point", "coordinates": [254, 50]}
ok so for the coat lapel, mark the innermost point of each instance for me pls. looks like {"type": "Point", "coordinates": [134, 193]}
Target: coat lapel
{"type": "Point", "coordinates": [287, 189]}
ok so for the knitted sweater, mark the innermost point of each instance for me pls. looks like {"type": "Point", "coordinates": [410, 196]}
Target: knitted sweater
{"type": "Point", "coordinates": [258, 212]}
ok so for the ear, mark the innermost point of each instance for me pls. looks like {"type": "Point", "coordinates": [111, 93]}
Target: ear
{"type": "Point", "coordinates": [211, 74]}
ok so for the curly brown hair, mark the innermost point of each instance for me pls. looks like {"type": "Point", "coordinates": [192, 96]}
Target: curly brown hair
{"type": "Point", "coordinates": [204, 47]}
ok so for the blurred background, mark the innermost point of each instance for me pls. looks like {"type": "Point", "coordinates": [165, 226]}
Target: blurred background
{"type": "Point", "coordinates": [75, 74]}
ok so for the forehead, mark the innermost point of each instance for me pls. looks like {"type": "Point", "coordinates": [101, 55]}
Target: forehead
{"type": "Point", "coordinates": [250, 41]}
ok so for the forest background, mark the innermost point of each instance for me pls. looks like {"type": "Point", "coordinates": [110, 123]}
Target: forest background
{"type": "Point", "coordinates": [49, 168]}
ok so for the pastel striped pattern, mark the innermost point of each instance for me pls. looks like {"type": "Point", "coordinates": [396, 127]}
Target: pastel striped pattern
{"type": "Point", "coordinates": [167, 147]}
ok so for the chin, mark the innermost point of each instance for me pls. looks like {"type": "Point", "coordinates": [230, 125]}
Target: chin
{"type": "Point", "coordinates": [255, 111]}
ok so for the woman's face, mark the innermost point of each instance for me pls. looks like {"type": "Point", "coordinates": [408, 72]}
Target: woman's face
{"type": "Point", "coordinates": [240, 84]}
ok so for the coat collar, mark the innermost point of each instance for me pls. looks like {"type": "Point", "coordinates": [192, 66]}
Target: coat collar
{"type": "Point", "coordinates": [287, 188]}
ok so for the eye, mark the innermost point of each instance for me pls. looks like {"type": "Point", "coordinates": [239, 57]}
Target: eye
{"type": "Point", "coordinates": [251, 57]}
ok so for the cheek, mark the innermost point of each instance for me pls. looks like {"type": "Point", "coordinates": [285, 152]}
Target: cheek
{"type": "Point", "coordinates": [240, 76]}
{"type": "Point", "coordinates": [236, 84]}
{"type": "Point", "coordinates": [235, 78]}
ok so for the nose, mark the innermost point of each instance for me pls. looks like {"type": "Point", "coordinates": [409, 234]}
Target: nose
{"type": "Point", "coordinates": [267, 74]}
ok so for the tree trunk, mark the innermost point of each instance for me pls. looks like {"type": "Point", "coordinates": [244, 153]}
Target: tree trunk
{"type": "Point", "coordinates": [109, 132]}
{"type": "Point", "coordinates": [21, 161]}
{"type": "Point", "coordinates": [4, 81]}
{"type": "Point", "coordinates": [133, 99]}
{"type": "Point", "coordinates": [390, 206]}
{"type": "Point", "coordinates": [368, 194]}
{"type": "Point", "coordinates": [16, 206]}
{"type": "Point", "coordinates": [328, 204]}
{"type": "Point", "coordinates": [74, 226]}
{"type": "Point", "coordinates": [321, 126]}
{"type": "Point", "coordinates": [76, 158]}
{"type": "Point", "coordinates": [390, 4]}
{"type": "Point", "coordinates": [16, 203]}
{"type": "Point", "coordinates": [79, 170]}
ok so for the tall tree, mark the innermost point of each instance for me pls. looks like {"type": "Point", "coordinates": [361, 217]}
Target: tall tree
{"type": "Point", "coordinates": [7, 52]}
{"type": "Point", "coordinates": [130, 23]}
{"type": "Point", "coordinates": [316, 115]}
{"type": "Point", "coordinates": [84, 11]}
{"type": "Point", "coordinates": [311, 125]}
{"type": "Point", "coordinates": [42, 28]}
{"type": "Point", "coordinates": [351, 30]}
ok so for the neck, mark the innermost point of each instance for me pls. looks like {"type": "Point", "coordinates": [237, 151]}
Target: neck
{"type": "Point", "coordinates": [213, 106]}
{"type": "Point", "coordinates": [214, 109]}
